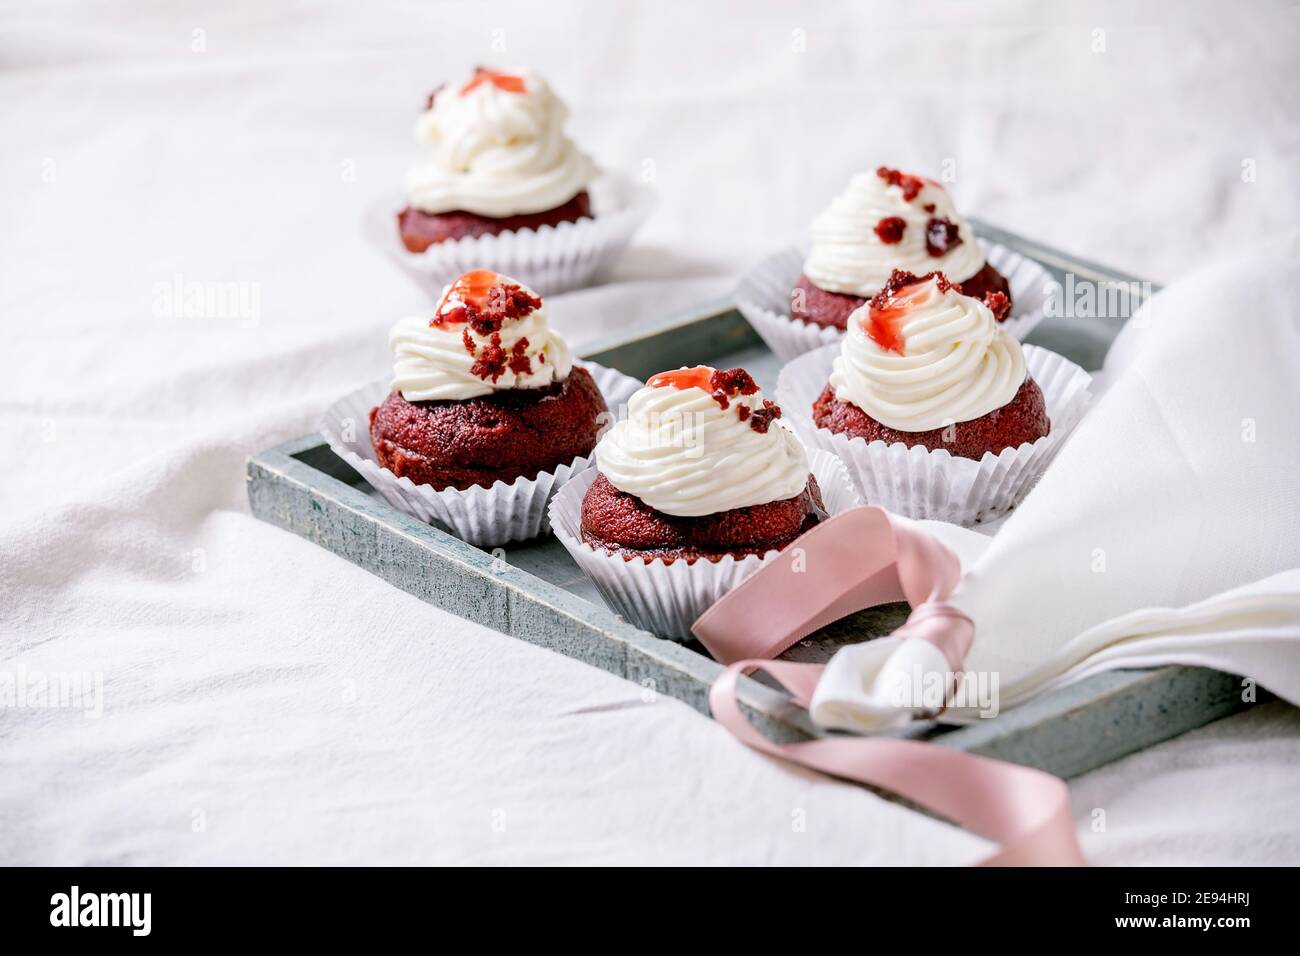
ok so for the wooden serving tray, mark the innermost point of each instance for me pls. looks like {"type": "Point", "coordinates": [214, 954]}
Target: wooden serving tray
{"type": "Point", "coordinates": [536, 593]}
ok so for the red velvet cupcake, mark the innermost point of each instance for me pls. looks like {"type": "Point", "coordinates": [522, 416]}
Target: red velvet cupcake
{"type": "Point", "coordinates": [935, 410]}
{"type": "Point", "coordinates": [926, 365]}
{"type": "Point", "coordinates": [484, 391]}
{"type": "Point", "coordinates": [698, 469]}
{"type": "Point", "coordinates": [884, 221]}
{"type": "Point", "coordinates": [499, 162]}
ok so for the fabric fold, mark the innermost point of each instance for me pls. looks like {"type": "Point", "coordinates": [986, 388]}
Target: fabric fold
{"type": "Point", "coordinates": [1176, 494]}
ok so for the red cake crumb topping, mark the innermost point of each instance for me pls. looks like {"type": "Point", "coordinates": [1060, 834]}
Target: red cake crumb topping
{"type": "Point", "coordinates": [471, 290]}
{"type": "Point", "coordinates": [890, 229]}
{"type": "Point", "coordinates": [941, 236]}
{"type": "Point", "coordinates": [732, 382]}
{"type": "Point", "coordinates": [484, 300]}
{"type": "Point", "coordinates": [520, 364]}
{"type": "Point", "coordinates": [911, 185]}
{"type": "Point", "coordinates": [502, 81]}
{"type": "Point", "coordinates": [886, 311]}
{"type": "Point", "coordinates": [722, 385]}
{"type": "Point", "coordinates": [928, 207]}
{"type": "Point", "coordinates": [490, 360]}
{"type": "Point", "coordinates": [761, 418]}
{"type": "Point", "coordinates": [998, 304]}
{"type": "Point", "coordinates": [900, 279]}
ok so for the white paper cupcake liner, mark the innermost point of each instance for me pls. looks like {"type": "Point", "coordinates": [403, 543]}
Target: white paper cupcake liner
{"type": "Point", "coordinates": [666, 598]}
{"type": "Point", "coordinates": [763, 297]}
{"type": "Point", "coordinates": [481, 515]}
{"type": "Point", "coordinates": [548, 260]}
{"type": "Point", "coordinates": [919, 483]}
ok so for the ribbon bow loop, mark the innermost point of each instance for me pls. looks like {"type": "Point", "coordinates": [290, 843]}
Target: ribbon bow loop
{"type": "Point", "coordinates": [859, 559]}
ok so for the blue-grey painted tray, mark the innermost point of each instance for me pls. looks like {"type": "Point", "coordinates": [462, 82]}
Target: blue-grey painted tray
{"type": "Point", "coordinates": [536, 593]}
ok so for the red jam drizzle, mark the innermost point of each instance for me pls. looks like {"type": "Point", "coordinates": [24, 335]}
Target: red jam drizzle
{"type": "Point", "coordinates": [483, 301]}
{"type": "Point", "coordinates": [891, 229]}
{"type": "Point", "coordinates": [885, 325]}
{"type": "Point", "coordinates": [722, 385]}
{"type": "Point", "coordinates": [891, 305]}
{"type": "Point", "coordinates": [502, 81]}
{"type": "Point", "coordinates": [701, 376]}
{"type": "Point", "coordinates": [470, 289]}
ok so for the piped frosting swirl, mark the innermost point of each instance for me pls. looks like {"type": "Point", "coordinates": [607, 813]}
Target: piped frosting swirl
{"type": "Point", "coordinates": [887, 220]}
{"type": "Point", "coordinates": [700, 441]}
{"type": "Point", "coordinates": [489, 333]}
{"type": "Point", "coordinates": [922, 356]}
{"type": "Point", "coordinates": [498, 148]}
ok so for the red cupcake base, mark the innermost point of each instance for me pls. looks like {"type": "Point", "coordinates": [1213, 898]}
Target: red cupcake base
{"type": "Point", "coordinates": [625, 525]}
{"type": "Point", "coordinates": [420, 230]}
{"type": "Point", "coordinates": [1023, 419]}
{"type": "Point", "coordinates": [507, 435]}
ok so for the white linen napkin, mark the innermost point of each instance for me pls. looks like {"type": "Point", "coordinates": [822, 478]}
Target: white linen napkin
{"type": "Point", "coordinates": [1167, 530]}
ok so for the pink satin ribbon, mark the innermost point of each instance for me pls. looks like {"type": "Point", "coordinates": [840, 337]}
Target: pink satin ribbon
{"type": "Point", "coordinates": [859, 559]}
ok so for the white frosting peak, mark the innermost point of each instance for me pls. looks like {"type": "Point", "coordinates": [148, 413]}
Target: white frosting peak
{"type": "Point", "coordinates": [498, 149]}
{"type": "Point", "coordinates": [681, 452]}
{"type": "Point", "coordinates": [849, 256]}
{"type": "Point", "coordinates": [448, 357]}
{"type": "Point", "coordinates": [929, 358]}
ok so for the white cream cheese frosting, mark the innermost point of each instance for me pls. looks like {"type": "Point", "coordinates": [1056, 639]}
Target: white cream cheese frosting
{"type": "Point", "coordinates": [498, 148]}
{"type": "Point", "coordinates": [689, 449]}
{"type": "Point", "coordinates": [848, 254]}
{"type": "Point", "coordinates": [928, 357]}
{"type": "Point", "coordinates": [462, 353]}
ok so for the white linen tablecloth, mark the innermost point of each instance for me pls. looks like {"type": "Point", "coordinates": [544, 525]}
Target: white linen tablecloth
{"type": "Point", "coordinates": [264, 701]}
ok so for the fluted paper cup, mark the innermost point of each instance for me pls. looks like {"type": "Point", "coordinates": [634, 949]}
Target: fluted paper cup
{"type": "Point", "coordinates": [919, 483]}
{"type": "Point", "coordinates": [480, 515]}
{"type": "Point", "coordinates": [548, 260]}
{"type": "Point", "coordinates": [662, 597]}
{"type": "Point", "coordinates": [763, 297]}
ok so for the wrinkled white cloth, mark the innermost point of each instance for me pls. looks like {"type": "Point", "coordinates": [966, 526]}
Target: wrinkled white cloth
{"type": "Point", "coordinates": [265, 701]}
{"type": "Point", "coordinates": [1168, 529]}
{"type": "Point", "coordinates": [1173, 501]}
